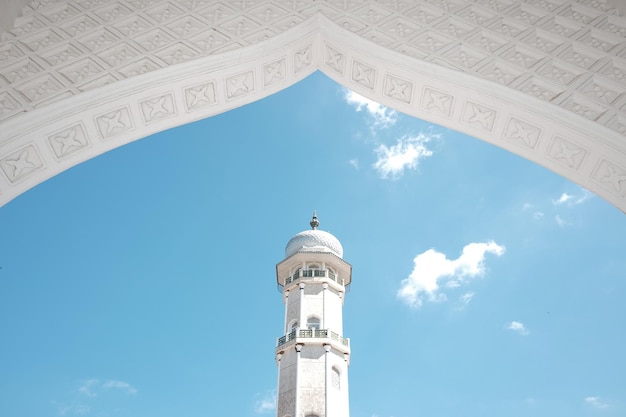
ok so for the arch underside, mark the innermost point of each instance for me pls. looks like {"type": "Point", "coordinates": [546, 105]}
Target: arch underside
{"type": "Point", "coordinates": [544, 79]}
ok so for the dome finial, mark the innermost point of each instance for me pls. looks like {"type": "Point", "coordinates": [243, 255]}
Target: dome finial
{"type": "Point", "coordinates": [314, 222]}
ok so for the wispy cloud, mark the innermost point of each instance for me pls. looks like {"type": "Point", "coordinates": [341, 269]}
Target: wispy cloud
{"type": "Point", "coordinates": [88, 387]}
{"type": "Point", "coordinates": [77, 409]}
{"type": "Point", "coordinates": [561, 222]}
{"type": "Point", "coordinates": [121, 385]}
{"type": "Point", "coordinates": [354, 163]}
{"type": "Point", "coordinates": [563, 199]}
{"type": "Point", "coordinates": [571, 199]}
{"type": "Point", "coordinates": [518, 327]}
{"type": "Point", "coordinates": [464, 300]}
{"type": "Point", "coordinates": [265, 403]}
{"type": "Point", "coordinates": [596, 402]}
{"type": "Point", "coordinates": [405, 154]}
{"type": "Point", "coordinates": [92, 387]}
{"type": "Point", "coordinates": [380, 116]}
{"type": "Point", "coordinates": [559, 207]}
{"type": "Point", "coordinates": [91, 395]}
{"type": "Point", "coordinates": [537, 215]}
{"type": "Point", "coordinates": [433, 269]}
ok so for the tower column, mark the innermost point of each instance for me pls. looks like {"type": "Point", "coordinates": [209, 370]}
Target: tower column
{"type": "Point", "coordinates": [301, 319]}
{"type": "Point", "coordinates": [327, 348]}
{"type": "Point", "coordinates": [286, 310]}
{"type": "Point", "coordinates": [325, 289]}
{"type": "Point", "coordinates": [296, 412]}
{"type": "Point", "coordinates": [279, 356]}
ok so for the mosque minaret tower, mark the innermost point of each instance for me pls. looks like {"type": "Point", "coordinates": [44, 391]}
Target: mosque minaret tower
{"type": "Point", "coordinates": [313, 356]}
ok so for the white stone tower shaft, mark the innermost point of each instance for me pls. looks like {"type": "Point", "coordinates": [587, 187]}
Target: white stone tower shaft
{"type": "Point", "coordinates": [313, 356]}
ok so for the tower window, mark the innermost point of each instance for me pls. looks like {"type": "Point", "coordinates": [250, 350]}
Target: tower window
{"type": "Point", "coordinates": [332, 274]}
{"type": "Point", "coordinates": [313, 323]}
{"type": "Point", "coordinates": [335, 380]}
{"type": "Point", "coordinates": [292, 326]}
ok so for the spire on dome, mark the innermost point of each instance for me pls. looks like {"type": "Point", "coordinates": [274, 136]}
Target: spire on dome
{"type": "Point", "coordinates": [314, 222]}
{"type": "Point", "coordinates": [314, 241]}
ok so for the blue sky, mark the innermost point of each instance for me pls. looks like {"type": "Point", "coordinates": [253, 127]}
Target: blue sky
{"type": "Point", "coordinates": [142, 283]}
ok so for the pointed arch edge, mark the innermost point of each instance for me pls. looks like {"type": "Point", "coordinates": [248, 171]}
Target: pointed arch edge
{"type": "Point", "coordinates": [42, 143]}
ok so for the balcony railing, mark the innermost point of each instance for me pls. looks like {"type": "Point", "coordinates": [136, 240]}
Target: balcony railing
{"type": "Point", "coordinates": [313, 273]}
{"type": "Point", "coordinates": [312, 333]}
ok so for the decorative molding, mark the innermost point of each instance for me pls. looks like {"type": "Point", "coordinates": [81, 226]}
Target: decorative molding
{"type": "Point", "coordinates": [68, 141]}
{"type": "Point", "coordinates": [114, 122]}
{"type": "Point", "coordinates": [239, 85]}
{"type": "Point", "coordinates": [398, 89]}
{"type": "Point", "coordinates": [335, 59]}
{"type": "Point", "coordinates": [480, 116]}
{"type": "Point", "coordinates": [566, 153]}
{"type": "Point", "coordinates": [275, 72]}
{"type": "Point", "coordinates": [158, 108]}
{"type": "Point", "coordinates": [200, 95]}
{"type": "Point", "coordinates": [437, 102]}
{"type": "Point", "coordinates": [611, 177]}
{"type": "Point", "coordinates": [303, 58]}
{"type": "Point", "coordinates": [522, 133]}
{"type": "Point", "coordinates": [21, 163]}
{"type": "Point", "coordinates": [547, 76]}
{"type": "Point", "coordinates": [364, 74]}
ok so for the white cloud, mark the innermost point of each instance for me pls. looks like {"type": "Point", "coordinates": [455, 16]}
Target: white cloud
{"type": "Point", "coordinates": [518, 327]}
{"type": "Point", "coordinates": [265, 403]}
{"type": "Point", "coordinates": [572, 200]}
{"type": "Point", "coordinates": [560, 221]}
{"type": "Point", "coordinates": [559, 206]}
{"type": "Point", "coordinates": [88, 387]}
{"type": "Point", "coordinates": [354, 163]}
{"type": "Point", "coordinates": [464, 301]}
{"type": "Point", "coordinates": [563, 199]}
{"type": "Point", "coordinates": [125, 386]}
{"type": "Point", "coordinates": [382, 116]}
{"type": "Point", "coordinates": [596, 402]}
{"type": "Point", "coordinates": [432, 269]}
{"type": "Point", "coordinates": [466, 298]}
{"type": "Point", "coordinates": [78, 409]}
{"type": "Point", "coordinates": [405, 154]}
{"type": "Point", "coordinates": [537, 215]}
{"type": "Point", "coordinates": [91, 387]}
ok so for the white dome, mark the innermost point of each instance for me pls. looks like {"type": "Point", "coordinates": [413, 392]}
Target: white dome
{"type": "Point", "coordinates": [313, 241]}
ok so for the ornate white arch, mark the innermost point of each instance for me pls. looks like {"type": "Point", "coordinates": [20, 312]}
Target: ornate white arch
{"type": "Point", "coordinates": [544, 79]}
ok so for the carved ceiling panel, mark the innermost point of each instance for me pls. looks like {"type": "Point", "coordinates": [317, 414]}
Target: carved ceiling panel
{"type": "Point", "coordinates": [545, 79]}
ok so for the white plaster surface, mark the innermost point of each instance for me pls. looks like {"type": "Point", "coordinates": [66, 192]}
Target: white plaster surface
{"type": "Point", "coordinates": [544, 79]}
{"type": "Point", "coordinates": [9, 11]}
{"type": "Point", "coordinates": [303, 382]}
{"type": "Point", "coordinates": [313, 240]}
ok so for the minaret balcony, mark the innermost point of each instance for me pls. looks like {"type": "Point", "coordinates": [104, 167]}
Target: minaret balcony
{"type": "Point", "coordinates": [314, 336]}
{"type": "Point", "coordinates": [298, 267]}
{"type": "Point", "coordinates": [314, 274]}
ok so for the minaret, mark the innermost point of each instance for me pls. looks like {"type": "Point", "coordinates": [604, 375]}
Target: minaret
{"type": "Point", "coordinates": [313, 356]}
